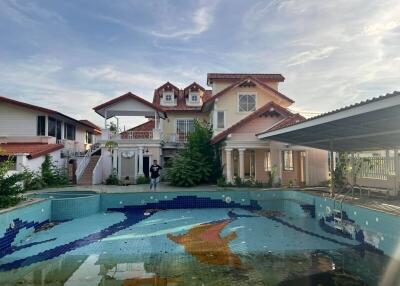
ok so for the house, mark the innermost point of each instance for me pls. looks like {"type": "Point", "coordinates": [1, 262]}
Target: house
{"type": "Point", "coordinates": [239, 106]}
{"type": "Point", "coordinates": [29, 133]}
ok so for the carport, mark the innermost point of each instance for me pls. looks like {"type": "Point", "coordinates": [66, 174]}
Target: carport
{"type": "Point", "coordinates": [369, 125]}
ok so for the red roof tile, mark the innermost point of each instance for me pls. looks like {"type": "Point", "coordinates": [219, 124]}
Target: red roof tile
{"type": "Point", "coordinates": [180, 96]}
{"type": "Point", "coordinates": [33, 149]}
{"type": "Point", "coordinates": [41, 109]}
{"type": "Point", "coordinates": [270, 106]}
{"type": "Point", "coordinates": [238, 76]}
{"type": "Point", "coordinates": [244, 80]}
{"type": "Point", "coordinates": [147, 126]}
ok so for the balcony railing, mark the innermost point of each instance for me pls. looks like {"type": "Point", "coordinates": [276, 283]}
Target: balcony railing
{"type": "Point", "coordinates": [175, 138]}
{"type": "Point", "coordinates": [132, 135]}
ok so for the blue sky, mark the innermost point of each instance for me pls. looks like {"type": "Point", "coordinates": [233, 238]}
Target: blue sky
{"type": "Point", "coordinates": [74, 55]}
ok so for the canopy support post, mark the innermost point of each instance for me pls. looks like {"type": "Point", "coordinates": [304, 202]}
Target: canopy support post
{"type": "Point", "coordinates": [396, 170]}
{"type": "Point", "coordinates": [331, 166]}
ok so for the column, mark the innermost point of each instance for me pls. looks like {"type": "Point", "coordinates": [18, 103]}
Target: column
{"type": "Point", "coordinates": [396, 170]}
{"type": "Point", "coordinates": [140, 171]}
{"type": "Point", "coordinates": [115, 162]}
{"type": "Point", "coordinates": [46, 126]}
{"type": "Point", "coordinates": [228, 165]}
{"type": "Point", "coordinates": [241, 163]}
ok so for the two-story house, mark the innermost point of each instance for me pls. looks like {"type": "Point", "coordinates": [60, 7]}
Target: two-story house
{"type": "Point", "coordinates": [29, 132]}
{"type": "Point", "coordinates": [239, 106]}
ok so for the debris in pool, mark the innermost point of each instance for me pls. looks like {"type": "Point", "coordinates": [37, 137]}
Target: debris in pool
{"type": "Point", "coordinates": [269, 251]}
{"type": "Point", "coordinates": [46, 226]}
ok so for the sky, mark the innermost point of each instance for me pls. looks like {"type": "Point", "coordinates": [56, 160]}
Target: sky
{"type": "Point", "coordinates": [74, 55]}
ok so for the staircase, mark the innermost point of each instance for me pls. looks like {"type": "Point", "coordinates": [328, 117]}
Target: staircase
{"type": "Point", "coordinates": [86, 178]}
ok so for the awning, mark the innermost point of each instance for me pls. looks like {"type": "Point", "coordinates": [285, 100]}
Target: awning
{"type": "Point", "coordinates": [369, 125]}
{"type": "Point", "coordinates": [128, 104]}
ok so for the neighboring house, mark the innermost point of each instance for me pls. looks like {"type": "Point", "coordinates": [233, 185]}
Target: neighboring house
{"type": "Point", "coordinates": [29, 132]}
{"type": "Point", "coordinates": [239, 106]}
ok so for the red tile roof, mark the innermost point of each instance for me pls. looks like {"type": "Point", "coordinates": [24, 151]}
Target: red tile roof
{"type": "Point", "coordinates": [41, 109]}
{"type": "Point", "coordinates": [242, 81]}
{"type": "Point", "coordinates": [180, 96]}
{"type": "Point", "coordinates": [296, 118]}
{"type": "Point", "coordinates": [270, 106]}
{"type": "Point", "coordinates": [34, 150]}
{"type": "Point", "coordinates": [147, 126]}
{"type": "Point", "coordinates": [127, 96]}
{"type": "Point", "coordinates": [238, 76]}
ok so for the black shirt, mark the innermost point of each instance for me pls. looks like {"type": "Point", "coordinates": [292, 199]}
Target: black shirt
{"type": "Point", "coordinates": [154, 170]}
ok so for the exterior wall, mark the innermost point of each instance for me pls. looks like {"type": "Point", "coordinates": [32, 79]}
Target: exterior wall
{"type": "Point", "coordinates": [317, 166]}
{"type": "Point", "coordinates": [248, 131]}
{"type": "Point", "coordinates": [17, 121]}
{"type": "Point", "coordinates": [169, 125]}
{"type": "Point", "coordinates": [36, 164]}
{"type": "Point", "coordinates": [261, 174]}
{"type": "Point", "coordinates": [229, 104]}
{"type": "Point", "coordinates": [292, 176]}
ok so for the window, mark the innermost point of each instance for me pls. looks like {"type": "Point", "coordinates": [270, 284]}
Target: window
{"type": "Point", "coordinates": [194, 97]}
{"type": "Point", "coordinates": [89, 137]}
{"type": "Point", "coordinates": [288, 160]}
{"type": "Point", "coordinates": [183, 128]}
{"type": "Point", "coordinates": [267, 161]}
{"type": "Point", "coordinates": [247, 102]}
{"type": "Point", "coordinates": [54, 127]}
{"type": "Point", "coordinates": [220, 119]}
{"type": "Point", "coordinates": [69, 131]}
{"type": "Point", "coordinates": [41, 126]}
{"type": "Point", "coordinates": [168, 97]}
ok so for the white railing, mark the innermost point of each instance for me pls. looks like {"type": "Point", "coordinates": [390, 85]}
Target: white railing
{"type": "Point", "coordinates": [175, 138]}
{"type": "Point", "coordinates": [375, 167]}
{"type": "Point", "coordinates": [132, 135]}
{"type": "Point", "coordinates": [97, 175]}
{"type": "Point", "coordinates": [84, 162]}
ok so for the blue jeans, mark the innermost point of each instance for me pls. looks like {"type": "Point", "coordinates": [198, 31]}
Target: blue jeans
{"type": "Point", "coordinates": [153, 183]}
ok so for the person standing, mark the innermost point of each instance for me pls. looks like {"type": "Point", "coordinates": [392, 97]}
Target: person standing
{"type": "Point", "coordinates": [154, 175]}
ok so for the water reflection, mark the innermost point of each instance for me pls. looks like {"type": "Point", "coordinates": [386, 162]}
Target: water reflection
{"type": "Point", "coordinates": [342, 267]}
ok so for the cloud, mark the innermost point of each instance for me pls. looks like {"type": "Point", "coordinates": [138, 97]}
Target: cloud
{"type": "Point", "coordinates": [202, 20]}
{"type": "Point", "coordinates": [311, 55]}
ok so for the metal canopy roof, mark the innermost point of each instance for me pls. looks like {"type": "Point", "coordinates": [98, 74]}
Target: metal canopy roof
{"type": "Point", "coordinates": [369, 125]}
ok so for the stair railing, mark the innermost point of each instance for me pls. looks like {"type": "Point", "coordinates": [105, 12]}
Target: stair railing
{"type": "Point", "coordinates": [84, 162]}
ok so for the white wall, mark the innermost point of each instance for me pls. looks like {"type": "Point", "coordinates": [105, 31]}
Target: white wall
{"type": "Point", "coordinates": [36, 163]}
{"type": "Point", "coordinates": [17, 121]}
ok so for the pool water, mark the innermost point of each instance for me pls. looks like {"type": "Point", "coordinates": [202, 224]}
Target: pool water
{"type": "Point", "coordinates": [208, 246]}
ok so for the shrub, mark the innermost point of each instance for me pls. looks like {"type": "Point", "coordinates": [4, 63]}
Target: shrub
{"type": "Point", "coordinates": [221, 182]}
{"type": "Point", "coordinates": [142, 180]}
{"type": "Point", "coordinates": [196, 163]}
{"type": "Point", "coordinates": [51, 175]}
{"type": "Point", "coordinates": [33, 180]}
{"type": "Point", "coordinates": [113, 178]}
{"type": "Point", "coordinates": [10, 185]}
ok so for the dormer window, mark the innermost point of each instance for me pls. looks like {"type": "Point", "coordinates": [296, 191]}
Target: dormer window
{"type": "Point", "coordinates": [193, 98]}
{"type": "Point", "coordinates": [168, 98]}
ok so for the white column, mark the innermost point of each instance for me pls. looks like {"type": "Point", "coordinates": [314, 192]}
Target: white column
{"type": "Point", "coordinates": [396, 170]}
{"type": "Point", "coordinates": [241, 163]}
{"type": "Point", "coordinates": [140, 171]}
{"type": "Point", "coordinates": [46, 126]}
{"type": "Point", "coordinates": [62, 130]}
{"type": "Point", "coordinates": [105, 119]}
{"type": "Point", "coordinates": [228, 165]}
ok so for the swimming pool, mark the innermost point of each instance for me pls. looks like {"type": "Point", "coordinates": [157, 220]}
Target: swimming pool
{"type": "Point", "coordinates": [205, 238]}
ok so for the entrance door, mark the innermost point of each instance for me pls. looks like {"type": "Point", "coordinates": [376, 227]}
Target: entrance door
{"type": "Point", "coordinates": [146, 166]}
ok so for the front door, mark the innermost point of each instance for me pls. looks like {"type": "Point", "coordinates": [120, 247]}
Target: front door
{"type": "Point", "coordinates": [146, 166]}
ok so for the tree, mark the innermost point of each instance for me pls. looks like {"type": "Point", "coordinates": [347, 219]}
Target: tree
{"type": "Point", "coordinates": [198, 162]}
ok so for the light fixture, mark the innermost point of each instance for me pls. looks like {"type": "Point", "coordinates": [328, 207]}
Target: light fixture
{"type": "Point", "coordinates": [147, 150]}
